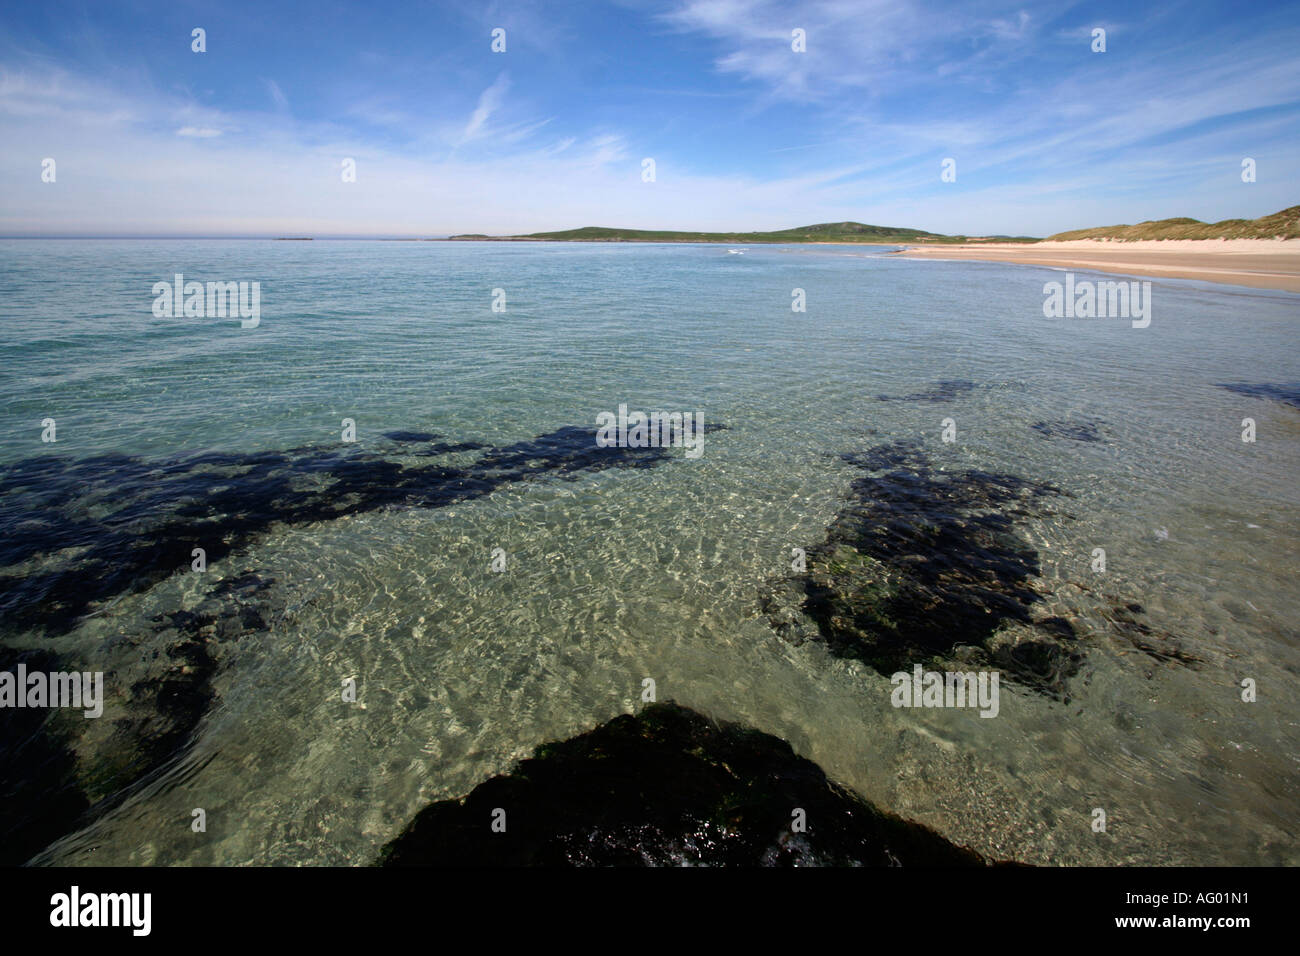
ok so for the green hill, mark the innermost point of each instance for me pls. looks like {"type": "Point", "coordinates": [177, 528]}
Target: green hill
{"type": "Point", "coordinates": [822, 232]}
{"type": "Point", "coordinates": [1280, 225]}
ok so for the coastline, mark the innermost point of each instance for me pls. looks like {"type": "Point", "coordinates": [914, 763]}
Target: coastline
{"type": "Point", "coordinates": [1257, 263]}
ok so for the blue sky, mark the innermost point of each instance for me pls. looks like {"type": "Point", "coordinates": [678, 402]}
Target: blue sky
{"type": "Point", "coordinates": [248, 138]}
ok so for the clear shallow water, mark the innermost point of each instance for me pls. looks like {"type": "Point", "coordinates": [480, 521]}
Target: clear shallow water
{"type": "Point", "coordinates": [621, 574]}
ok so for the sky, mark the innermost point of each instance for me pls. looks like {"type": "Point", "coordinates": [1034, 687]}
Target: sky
{"type": "Point", "coordinates": [250, 136]}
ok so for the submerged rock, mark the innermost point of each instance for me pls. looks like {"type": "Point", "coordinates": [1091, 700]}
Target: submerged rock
{"type": "Point", "coordinates": [75, 533]}
{"type": "Point", "coordinates": [40, 797]}
{"type": "Point", "coordinates": [939, 392]}
{"type": "Point", "coordinates": [1086, 430]}
{"type": "Point", "coordinates": [667, 787]}
{"type": "Point", "coordinates": [921, 563]}
{"type": "Point", "coordinates": [1288, 393]}
{"type": "Point", "coordinates": [945, 392]}
{"type": "Point", "coordinates": [1157, 644]}
{"type": "Point", "coordinates": [59, 772]}
{"type": "Point", "coordinates": [182, 654]}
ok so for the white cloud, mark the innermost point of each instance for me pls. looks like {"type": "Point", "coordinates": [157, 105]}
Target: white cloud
{"type": "Point", "coordinates": [489, 102]}
{"type": "Point", "coordinates": [277, 94]}
{"type": "Point", "coordinates": [1044, 156]}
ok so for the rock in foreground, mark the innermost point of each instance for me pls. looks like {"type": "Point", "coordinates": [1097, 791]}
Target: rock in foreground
{"type": "Point", "coordinates": [666, 787]}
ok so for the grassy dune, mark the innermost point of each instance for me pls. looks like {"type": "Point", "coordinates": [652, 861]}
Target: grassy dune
{"type": "Point", "coordinates": [1280, 225]}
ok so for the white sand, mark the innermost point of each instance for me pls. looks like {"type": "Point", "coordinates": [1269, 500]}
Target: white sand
{"type": "Point", "coordinates": [1261, 263]}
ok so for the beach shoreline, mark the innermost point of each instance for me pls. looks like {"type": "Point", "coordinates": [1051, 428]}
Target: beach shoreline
{"type": "Point", "coordinates": [1257, 263]}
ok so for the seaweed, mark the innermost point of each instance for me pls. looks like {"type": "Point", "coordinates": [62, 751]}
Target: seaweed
{"type": "Point", "coordinates": [666, 787]}
{"type": "Point", "coordinates": [80, 532]}
{"type": "Point", "coordinates": [923, 564]}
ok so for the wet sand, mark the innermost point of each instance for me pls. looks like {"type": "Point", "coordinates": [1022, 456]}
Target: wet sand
{"type": "Point", "coordinates": [1259, 263]}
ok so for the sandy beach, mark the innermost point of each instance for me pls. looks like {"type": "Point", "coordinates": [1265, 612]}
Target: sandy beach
{"type": "Point", "coordinates": [1260, 263]}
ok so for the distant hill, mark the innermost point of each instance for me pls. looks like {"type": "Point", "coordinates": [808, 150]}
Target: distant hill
{"type": "Point", "coordinates": [1280, 225]}
{"type": "Point", "coordinates": [822, 232]}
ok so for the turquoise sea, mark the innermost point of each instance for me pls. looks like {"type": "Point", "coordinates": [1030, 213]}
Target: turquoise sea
{"type": "Point", "coordinates": [372, 560]}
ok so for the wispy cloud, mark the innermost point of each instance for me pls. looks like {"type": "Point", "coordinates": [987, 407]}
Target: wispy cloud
{"type": "Point", "coordinates": [489, 102]}
{"type": "Point", "coordinates": [277, 94]}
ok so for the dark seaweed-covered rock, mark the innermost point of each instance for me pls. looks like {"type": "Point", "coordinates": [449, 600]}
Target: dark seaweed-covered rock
{"type": "Point", "coordinates": [937, 393]}
{"type": "Point", "coordinates": [922, 562]}
{"type": "Point", "coordinates": [666, 787]}
{"type": "Point", "coordinates": [1085, 431]}
{"type": "Point", "coordinates": [408, 436]}
{"type": "Point", "coordinates": [1158, 645]}
{"type": "Point", "coordinates": [39, 795]}
{"type": "Point", "coordinates": [945, 392]}
{"type": "Point", "coordinates": [74, 533]}
{"type": "Point", "coordinates": [77, 532]}
{"type": "Point", "coordinates": [166, 706]}
{"type": "Point", "coordinates": [1287, 393]}
{"type": "Point", "coordinates": [59, 772]}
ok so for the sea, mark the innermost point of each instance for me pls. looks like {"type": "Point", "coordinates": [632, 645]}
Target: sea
{"type": "Point", "coordinates": [368, 552]}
